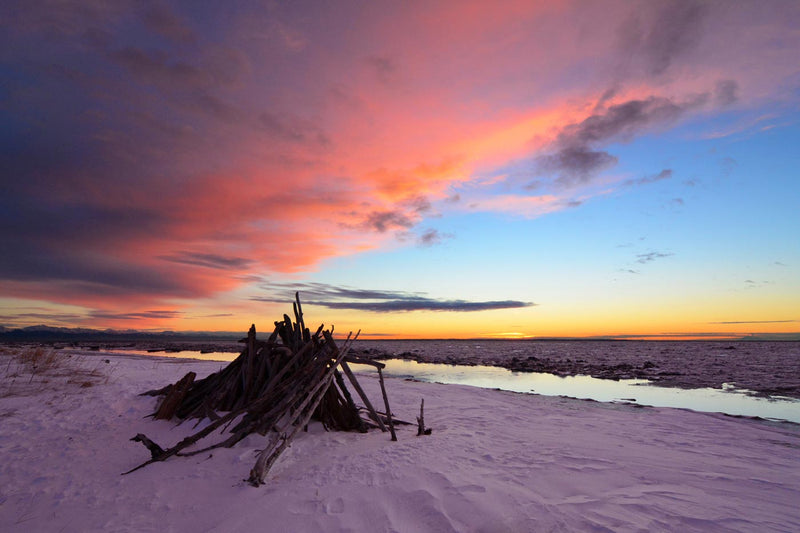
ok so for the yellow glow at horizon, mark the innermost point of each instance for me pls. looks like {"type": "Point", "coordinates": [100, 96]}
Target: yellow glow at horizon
{"type": "Point", "coordinates": [730, 314]}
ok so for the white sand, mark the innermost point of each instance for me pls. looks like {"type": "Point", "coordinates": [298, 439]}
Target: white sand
{"type": "Point", "coordinates": [496, 462]}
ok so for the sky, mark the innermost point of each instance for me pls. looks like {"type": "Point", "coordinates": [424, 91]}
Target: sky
{"type": "Point", "coordinates": [413, 169]}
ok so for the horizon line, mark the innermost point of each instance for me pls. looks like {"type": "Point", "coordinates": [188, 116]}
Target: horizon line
{"type": "Point", "coordinates": [75, 333]}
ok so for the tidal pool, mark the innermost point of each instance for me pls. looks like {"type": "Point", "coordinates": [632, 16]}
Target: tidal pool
{"type": "Point", "coordinates": [639, 391]}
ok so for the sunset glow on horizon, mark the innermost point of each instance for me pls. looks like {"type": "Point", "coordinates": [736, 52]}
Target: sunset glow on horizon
{"type": "Point", "coordinates": [447, 170]}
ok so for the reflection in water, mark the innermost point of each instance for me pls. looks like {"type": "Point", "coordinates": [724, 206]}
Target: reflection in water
{"type": "Point", "coordinates": [186, 354]}
{"type": "Point", "coordinates": [603, 390]}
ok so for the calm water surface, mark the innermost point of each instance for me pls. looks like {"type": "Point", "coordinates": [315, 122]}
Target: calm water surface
{"type": "Point", "coordinates": [603, 390]}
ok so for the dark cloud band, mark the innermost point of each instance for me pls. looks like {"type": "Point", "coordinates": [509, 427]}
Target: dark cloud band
{"type": "Point", "coordinates": [377, 301]}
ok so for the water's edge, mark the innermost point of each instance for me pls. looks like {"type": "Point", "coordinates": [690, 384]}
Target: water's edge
{"type": "Point", "coordinates": [728, 399]}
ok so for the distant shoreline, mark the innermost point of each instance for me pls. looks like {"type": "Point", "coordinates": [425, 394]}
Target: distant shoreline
{"type": "Point", "coordinates": [57, 335]}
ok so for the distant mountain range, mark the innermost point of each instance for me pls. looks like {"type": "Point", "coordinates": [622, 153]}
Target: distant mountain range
{"type": "Point", "coordinates": [42, 333]}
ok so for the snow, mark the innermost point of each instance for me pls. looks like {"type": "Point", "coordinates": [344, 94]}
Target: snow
{"type": "Point", "coordinates": [496, 462]}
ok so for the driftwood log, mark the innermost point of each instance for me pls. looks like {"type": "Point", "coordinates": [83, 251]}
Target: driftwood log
{"type": "Point", "coordinates": [421, 429]}
{"type": "Point", "coordinates": [274, 388]}
{"type": "Point", "coordinates": [174, 397]}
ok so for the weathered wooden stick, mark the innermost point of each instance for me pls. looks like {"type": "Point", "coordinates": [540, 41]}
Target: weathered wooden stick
{"type": "Point", "coordinates": [275, 379]}
{"type": "Point", "coordinates": [386, 403]}
{"type": "Point", "coordinates": [191, 439]}
{"type": "Point", "coordinates": [372, 413]}
{"type": "Point", "coordinates": [349, 399]}
{"type": "Point", "coordinates": [364, 361]}
{"type": "Point", "coordinates": [397, 421]}
{"type": "Point", "coordinates": [174, 398]}
{"type": "Point", "coordinates": [421, 420]}
{"type": "Point", "coordinates": [188, 441]}
{"type": "Point", "coordinates": [321, 366]}
{"type": "Point", "coordinates": [156, 451]}
{"type": "Point", "coordinates": [263, 370]}
{"type": "Point", "coordinates": [158, 392]}
{"type": "Point", "coordinates": [209, 412]}
{"type": "Point", "coordinates": [251, 423]}
{"type": "Point", "coordinates": [268, 455]}
{"type": "Point", "coordinates": [247, 367]}
{"type": "Point", "coordinates": [299, 313]}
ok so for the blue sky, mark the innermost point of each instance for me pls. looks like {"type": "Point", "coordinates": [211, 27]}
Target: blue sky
{"type": "Point", "coordinates": [453, 169]}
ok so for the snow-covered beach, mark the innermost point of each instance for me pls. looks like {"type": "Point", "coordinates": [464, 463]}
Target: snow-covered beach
{"type": "Point", "coordinates": [496, 461]}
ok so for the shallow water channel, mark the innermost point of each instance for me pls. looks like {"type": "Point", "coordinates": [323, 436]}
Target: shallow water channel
{"type": "Point", "coordinates": [729, 401]}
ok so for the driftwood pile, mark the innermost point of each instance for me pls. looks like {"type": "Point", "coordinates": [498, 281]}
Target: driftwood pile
{"type": "Point", "coordinates": [274, 388]}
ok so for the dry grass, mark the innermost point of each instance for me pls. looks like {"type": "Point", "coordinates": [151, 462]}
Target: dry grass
{"type": "Point", "coordinates": [41, 360]}
{"type": "Point", "coordinates": [28, 370]}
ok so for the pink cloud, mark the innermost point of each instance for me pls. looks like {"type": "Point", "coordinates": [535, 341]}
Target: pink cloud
{"type": "Point", "coordinates": [187, 151]}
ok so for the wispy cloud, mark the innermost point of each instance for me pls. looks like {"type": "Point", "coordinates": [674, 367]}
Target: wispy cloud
{"type": "Point", "coordinates": [649, 257]}
{"type": "Point", "coordinates": [753, 284]}
{"type": "Point", "coordinates": [575, 164]}
{"type": "Point", "coordinates": [747, 125]}
{"type": "Point", "coordinates": [140, 315]}
{"type": "Point", "coordinates": [577, 157]}
{"type": "Point", "coordinates": [663, 175]}
{"type": "Point", "coordinates": [383, 221]}
{"type": "Point", "coordinates": [27, 318]}
{"type": "Point", "coordinates": [432, 237]}
{"type": "Point", "coordinates": [209, 260]}
{"type": "Point", "coordinates": [378, 301]}
{"type": "Point", "coordinates": [755, 322]}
